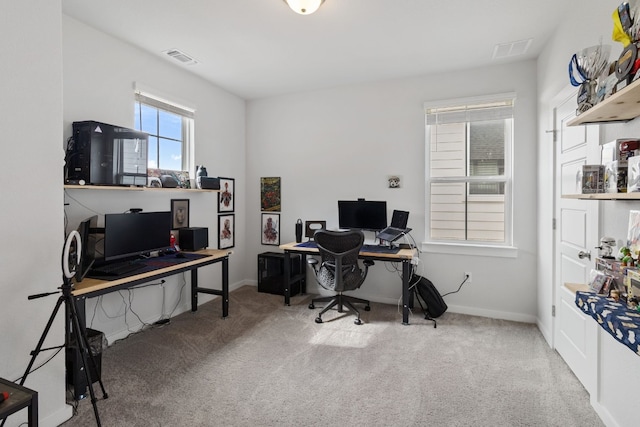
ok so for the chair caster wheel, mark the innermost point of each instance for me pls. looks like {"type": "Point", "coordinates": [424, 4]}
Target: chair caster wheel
{"type": "Point", "coordinates": [367, 308]}
{"type": "Point", "coordinates": [358, 322]}
{"type": "Point", "coordinates": [318, 320]}
{"type": "Point", "coordinates": [311, 306]}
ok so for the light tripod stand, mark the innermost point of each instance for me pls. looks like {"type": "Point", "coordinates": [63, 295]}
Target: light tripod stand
{"type": "Point", "coordinates": [73, 326]}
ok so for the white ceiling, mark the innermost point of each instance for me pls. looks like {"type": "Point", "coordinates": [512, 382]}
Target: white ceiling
{"type": "Point", "coordinates": [261, 48]}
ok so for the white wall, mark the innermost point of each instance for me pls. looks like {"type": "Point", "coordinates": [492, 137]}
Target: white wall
{"type": "Point", "coordinates": [99, 76]}
{"type": "Point", "coordinates": [32, 213]}
{"type": "Point", "coordinates": [342, 143]}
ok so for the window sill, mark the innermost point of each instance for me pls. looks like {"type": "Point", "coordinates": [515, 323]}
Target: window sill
{"type": "Point", "coordinates": [470, 249]}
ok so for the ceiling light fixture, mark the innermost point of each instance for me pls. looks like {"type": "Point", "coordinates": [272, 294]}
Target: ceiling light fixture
{"type": "Point", "coordinates": [304, 7]}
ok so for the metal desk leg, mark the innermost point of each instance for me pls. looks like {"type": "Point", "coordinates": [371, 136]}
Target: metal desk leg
{"type": "Point", "coordinates": [225, 287]}
{"type": "Point", "coordinates": [406, 271]}
{"type": "Point", "coordinates": [287, 278]}
{"type": "Point", "coordinates": [303, 271]}
{"type": "Point", "coordinates": [224, 293]}
{"type": "Point", "coordinates": [32, 416]}
{"type": "Point", "coordinates": [194, 289]}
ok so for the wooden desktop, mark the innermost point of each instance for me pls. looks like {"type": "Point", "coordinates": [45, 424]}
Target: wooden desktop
{"type": "Point", "coordinates": [89, 287]}
{"type": "Point", "coordinates": [405, 256]}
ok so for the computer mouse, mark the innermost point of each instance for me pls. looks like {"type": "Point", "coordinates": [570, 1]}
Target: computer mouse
{"type": "Point", "coordinates": [180, 255]}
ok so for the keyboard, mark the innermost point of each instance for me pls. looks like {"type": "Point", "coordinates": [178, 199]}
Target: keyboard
{"type": "Point", "coordinates": [379, 249]}
{"type": "Point", "coordinates": [116, 269]}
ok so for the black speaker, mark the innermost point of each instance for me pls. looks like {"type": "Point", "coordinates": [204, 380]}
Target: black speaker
{"type": "Point", "coordinates": [194, 238]}
{"type": "Point", "coordinates": [209, 183]}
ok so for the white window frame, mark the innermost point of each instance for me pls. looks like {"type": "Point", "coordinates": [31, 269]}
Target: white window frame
{"type": "Point", "coordinates": [156, 99]}
{"type": "Point", "coordinates": [475, 247]}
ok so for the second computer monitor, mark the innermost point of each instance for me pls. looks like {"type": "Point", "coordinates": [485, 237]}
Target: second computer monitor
{"type": "Point", "coordinates": [362, 214]}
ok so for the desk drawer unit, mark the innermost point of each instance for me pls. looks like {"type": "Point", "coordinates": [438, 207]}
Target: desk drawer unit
{"type": "Point", "coordinates": [271, 273]}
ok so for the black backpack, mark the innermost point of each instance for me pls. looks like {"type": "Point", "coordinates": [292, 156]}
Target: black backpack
{"type": "Point", "coordinates": [434, 304]}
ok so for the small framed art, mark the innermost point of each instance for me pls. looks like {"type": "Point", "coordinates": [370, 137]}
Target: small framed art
{"type": "Point", "coordinates": [227, 231]}
{"type": "Point", "coordinates": [227, 195]}
{"type": "Point", "coordinates": [179, 213]}
{"type": "Point", "coordinates": [271, 229]}
{"type": "Point", "coordinates": [270, 194]}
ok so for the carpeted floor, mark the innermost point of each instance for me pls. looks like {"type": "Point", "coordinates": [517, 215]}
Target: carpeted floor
{"type": "Point", "coordinates": [271, 365]}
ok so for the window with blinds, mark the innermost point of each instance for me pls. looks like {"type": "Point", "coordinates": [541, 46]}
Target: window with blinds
{"type": "Point", "coordinates": [468, 146]}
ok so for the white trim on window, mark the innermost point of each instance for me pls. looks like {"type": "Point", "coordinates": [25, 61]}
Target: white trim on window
{"type": "Point", "coordinates": [466, 110]}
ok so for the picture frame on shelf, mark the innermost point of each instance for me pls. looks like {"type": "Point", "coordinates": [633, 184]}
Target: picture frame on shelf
{"type": "Point", "coordinates": [270, 230]}
{"type": "Point", "coordinates": [226, 231]}
{"type": "Point", "coordinates": [179, 213]}
{"type": "Point", "coordinates": [227, 195]}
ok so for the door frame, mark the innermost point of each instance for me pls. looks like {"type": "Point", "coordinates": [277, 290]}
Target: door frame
{"type": "Point", "coordinates": [563, 96]}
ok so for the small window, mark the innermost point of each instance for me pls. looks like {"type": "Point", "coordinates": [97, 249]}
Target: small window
{"type": "Point", "coordinates": [170, 129]}
{"type": "Point", "coordinates": [468, 146]}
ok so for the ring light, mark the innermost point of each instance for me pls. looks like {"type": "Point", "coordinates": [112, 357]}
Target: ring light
{"type": "Point", "coordinates": [74, 235]}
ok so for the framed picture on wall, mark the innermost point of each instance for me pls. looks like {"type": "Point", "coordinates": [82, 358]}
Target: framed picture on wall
{"type": "Point", "coordinates": [179, 213]}
{"type": "Point", "coordinates": [227, 195]}
{"type": "Point", "coordinates": [270, 229]}
{"type": "Point", "coordinates": [227, 231]}
{"type": "Point", "coordinates": [270, 194]}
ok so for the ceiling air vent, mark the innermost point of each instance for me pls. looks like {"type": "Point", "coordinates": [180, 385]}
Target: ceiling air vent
{"type": "Point", "coordinates": [180, 56]}
{"type": "Point", "coordinates": [507, 50]}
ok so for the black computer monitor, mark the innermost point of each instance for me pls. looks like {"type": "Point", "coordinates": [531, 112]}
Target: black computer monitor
{"type": "Point", "coordinates": [362, 214]}
{"type": "Point", "coordinates": [86, 229]}
{"type": "Point", "coordinates": [128, 235]}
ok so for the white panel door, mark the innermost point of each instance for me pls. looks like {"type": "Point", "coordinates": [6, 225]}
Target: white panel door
{"type": "Point", "coordinates": [576, 234]}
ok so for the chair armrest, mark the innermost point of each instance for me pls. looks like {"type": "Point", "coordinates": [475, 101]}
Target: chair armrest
{"type": "Point", "coordinates": [313, 263]}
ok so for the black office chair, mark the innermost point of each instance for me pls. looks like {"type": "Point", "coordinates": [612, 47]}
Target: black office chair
{"type": "Point", "coordinates": [339, 269]}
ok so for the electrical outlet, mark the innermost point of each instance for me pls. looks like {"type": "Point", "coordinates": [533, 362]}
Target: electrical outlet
{"type": "Point", "coordinates": [467, 276]}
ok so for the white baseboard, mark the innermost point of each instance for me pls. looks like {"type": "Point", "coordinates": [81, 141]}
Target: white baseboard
{"type": "Point", "coordinates": [493, 314]}
{"type": "Point", "coordinates": [546, 333]}
{"type": "Point", "coordinates": [57, 418]}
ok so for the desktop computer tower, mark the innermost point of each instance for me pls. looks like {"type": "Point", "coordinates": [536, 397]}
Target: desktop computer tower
{"type": "Point", "coordinates": [74, 366]}
{"type": "Point", "coordinates": [271, 273]}
{"type": "Point", "coordinates": [104, 154]}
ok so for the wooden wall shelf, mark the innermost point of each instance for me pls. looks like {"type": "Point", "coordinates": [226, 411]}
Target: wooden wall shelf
{"type": "Point", "coordinates": [123, 188]}
{"type": "Point", "coordinates": [622, 106]}
{"type": "Point", "coordinates": [603, 196]}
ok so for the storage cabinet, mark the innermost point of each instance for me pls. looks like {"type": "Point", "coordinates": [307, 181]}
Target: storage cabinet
{"type": "Point", "coordinates": [271, 273]}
